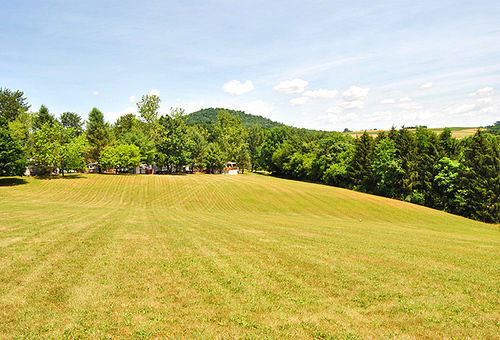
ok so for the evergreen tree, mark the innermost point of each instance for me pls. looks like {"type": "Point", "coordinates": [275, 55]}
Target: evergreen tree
{"type": "Point", "coordinates": [98, 134]}
{"type": "Point", "coordinates": [70, 120]}
{"type": "Point", "coordinates": [481, 177]}
{"type": "Point", "coordinates": [447, 144]}
{"type": "Point", "coordinates": [407, 153]}
{"type": "Point", "coordinates": [43, 117]}
{"type": "Point", "coordinates": [428, 155]}
{"type": "Point", "coordinates": [360, 170]}
{"type": "Point", "coordinates": [387, 168]}
{"type": "Point", "coordinates": [12, 104]}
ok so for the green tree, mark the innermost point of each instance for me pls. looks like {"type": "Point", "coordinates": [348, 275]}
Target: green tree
{"type": "Point", "coordinates": [214, 159]}
{"type": "Point", "coordinates": [56, 147]}
{"type": "Point", "coordinates": [387, 168]}
{"type": "Point", "coordinates": [428, 155]}
{"type": "Point", "coordinates": [22, 131]}
{"type": "Point", "coordinates": [73, 151]}
{"type": "Point", "coordinates": [452, 195]}
{"type": "Point", "coordinates": [481, 177]}
{"type": "Point", "coordinates": [140, 139]}
{"type": "Point", "coordinates": [272, 141]}
{"type": "Point", "coordinates": [494, 129]}
{"type": "Point", "coordinates": [447, 144]}
{"type": "Point", "coordinates": [71, 120]}
{"type": "Point", "coordinates": [361, 165]}
{"type": "Point", "coordinates": [242, 158]}
{"type": "Point", "coordinates": [119, 157]}
{"type": "Point", "coordinates": [12, 160]}
{"type": "Point", "coordinates": [230, 134]}
{"type": "Point", "coordinates": [148, 108]}
{"type": "Point", "coordinates": [43, 117]}
{"type": "Point", "coordinates": [127, 123]}
{"type": "Point", "coordinates": [172, 143]}
{"type": "Point", "coordinates": [12, 104]}
{"type": "Point", "coordinates": [98, 135]}
{"type": "Point", "coordinates": [407, 153]}
{"type": "Point", "coordinates": [197, 147]}
{"type": "Point", "coordinates": [254, 140]}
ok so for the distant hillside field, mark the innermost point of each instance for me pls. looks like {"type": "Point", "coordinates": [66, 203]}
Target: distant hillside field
{"type": "Point", "coordinates": [210, 115]}
{"type": "Point", "coordinates": [246, 256]}
{"type": "Point", "coordinates": [457, 132]}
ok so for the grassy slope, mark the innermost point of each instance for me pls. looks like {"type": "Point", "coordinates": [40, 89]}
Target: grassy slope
{"type": "Point", "coordinates": [237, 256]}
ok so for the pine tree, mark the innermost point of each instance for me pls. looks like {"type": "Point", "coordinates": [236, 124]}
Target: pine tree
{"type": "Point", "coordinates": [361, 165]}
{"type": "Point", "coordinates": [98, 134]}
{"type": "Point", "coordinates": [481, 177]}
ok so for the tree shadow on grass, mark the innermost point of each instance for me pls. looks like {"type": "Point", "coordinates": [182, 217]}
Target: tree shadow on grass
{"type": "Point", "coordinates": [11, 181]}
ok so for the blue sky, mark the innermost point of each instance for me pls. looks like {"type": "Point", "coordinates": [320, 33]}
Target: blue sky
{"type": "Point", "coordinates": [315, 64]}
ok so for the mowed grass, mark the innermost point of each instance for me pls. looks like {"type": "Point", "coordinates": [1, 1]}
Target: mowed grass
{"type": "Point", "coordinates": [247, 256]}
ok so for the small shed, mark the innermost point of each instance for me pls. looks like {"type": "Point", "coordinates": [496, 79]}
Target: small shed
{"type": "Point", "coordinates": [231, 168]}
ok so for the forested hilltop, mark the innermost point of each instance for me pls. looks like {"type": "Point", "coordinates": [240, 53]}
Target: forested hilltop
{"type": "Point", "coordinates": [421, 166]}
{"type": "Point", "coordinates": [209, 115]}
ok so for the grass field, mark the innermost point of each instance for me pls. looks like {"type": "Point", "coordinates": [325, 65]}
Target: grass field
{"type": "Point", "coordinates": [457, 132]}
{"type": "Point", "coordinates": [247, 256]}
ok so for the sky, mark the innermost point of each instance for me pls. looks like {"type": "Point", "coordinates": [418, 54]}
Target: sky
{"type": "Point", "coordinates": [316, 64]}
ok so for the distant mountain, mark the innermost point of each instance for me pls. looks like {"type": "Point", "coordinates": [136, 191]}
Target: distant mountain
{"type": "Point", "coordinates": [210, 115]}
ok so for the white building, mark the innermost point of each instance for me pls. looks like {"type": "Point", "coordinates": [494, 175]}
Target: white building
{"type": "Point", "coordinates": [230, 168]}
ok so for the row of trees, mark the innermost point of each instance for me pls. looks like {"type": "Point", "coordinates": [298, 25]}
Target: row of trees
{"type": "Point", "coordinates": [69, 143]}
{"type": "Point", "coordinates": [439, 171]}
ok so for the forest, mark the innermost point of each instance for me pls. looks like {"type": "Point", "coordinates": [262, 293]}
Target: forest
{"type": "Point", "coordinates": [435, 170]}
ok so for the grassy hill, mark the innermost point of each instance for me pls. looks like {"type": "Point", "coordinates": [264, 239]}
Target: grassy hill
{"type": "Point", "coordinates": [210, 115]}
{"type": "Point", "coordinates": [246, 256]}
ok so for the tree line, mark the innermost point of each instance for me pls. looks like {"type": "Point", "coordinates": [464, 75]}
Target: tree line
{"type": "Point", "coordinates": [435, 170]}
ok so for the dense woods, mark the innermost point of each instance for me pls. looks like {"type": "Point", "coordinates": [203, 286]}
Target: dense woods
{"type": "Point", "coordinates": [435, 170]}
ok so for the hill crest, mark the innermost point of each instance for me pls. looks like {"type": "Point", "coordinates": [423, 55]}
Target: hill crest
{"type": "Point", "coordinates": [209, 115]}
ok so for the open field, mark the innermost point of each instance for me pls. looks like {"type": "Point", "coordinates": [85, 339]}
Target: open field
{"type": "Point", "coordinates": [245, 256]}
{"type": "Point", "coordinates": [457, 132]}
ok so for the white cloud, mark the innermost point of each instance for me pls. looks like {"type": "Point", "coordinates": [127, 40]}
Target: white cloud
{"type": "Point", "coordinates": [484, 100]}
{"type": "Point", "coordinates": [426, 85]}
{"type": "Point", "coordinates": [95, 93]}
{"type": "Point", "coordinates": [258, 107]}
{"type": "Point", "coordinates": [388, 101]}
{"type": "Point", "coordinates": [405, 99]}
{"type": "Point", "coordinates": [339, 108]}
{"type": "Point", "coordinates": [378, 116]}
{"type": "Point", "coordinates": [299, 101]}
{"type": "Point", "coordinates": [154, 92]}
{"type": "Point", "coordinates": [495, 108]}
{"type": "Point", "coordinates": [132, 99]}
{"type": "Point", "coordinates": [461, 109]}
{"type": "Point", "coordinates": [291, 86]}
{"type": "Point", "coordinates": [338, 118]}
{"type": "Point", "coordinates": [410, 106]}
{"type": "Point", "coordinates": [236, 88]}
{"type": "Point", "coordinates": [356, 104]}
{"type": "Point", "coordinates": [355, 93]}
{"type": "Point", "coordinates": [320, 94]}
{"type": "Point", "coordinates": [480, 92]}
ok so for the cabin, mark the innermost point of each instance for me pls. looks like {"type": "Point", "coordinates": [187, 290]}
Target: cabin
{"type": "Point", "coordinates": [93, 168]}
{"type": "Point", "coordinates": [230, 168]}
